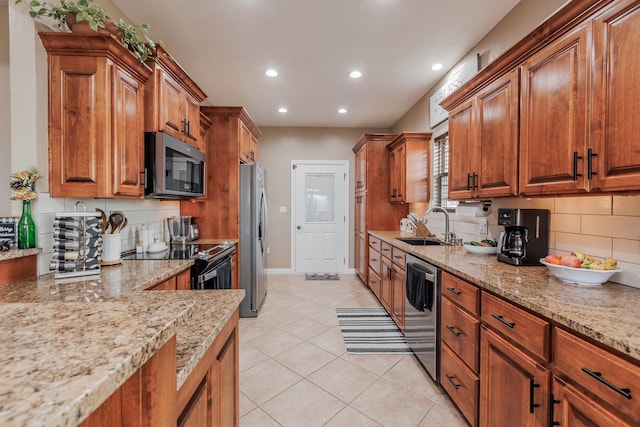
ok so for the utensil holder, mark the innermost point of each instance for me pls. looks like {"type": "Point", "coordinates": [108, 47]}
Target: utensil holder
{"type": "Point", "coordinates": [77, 244]}
{"type": "Point", "coordinates": [111, 249]}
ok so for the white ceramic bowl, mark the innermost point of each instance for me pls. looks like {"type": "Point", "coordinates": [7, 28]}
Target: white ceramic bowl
{"type": "Point", "coordinates": [580, 276]}
{"type": "Point", "coordinates": [481, 250]}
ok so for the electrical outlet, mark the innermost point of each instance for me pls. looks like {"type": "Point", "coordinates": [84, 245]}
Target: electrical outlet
{"type": "Point", "coordinates": [268, 250]}
{"type": "Point", "coordinates": [484, 229]}
{"type": "Point", "coordinates": [283, 209]}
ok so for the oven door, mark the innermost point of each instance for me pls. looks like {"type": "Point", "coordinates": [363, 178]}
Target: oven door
{"type": "Point", "coordinates": [213, 275]}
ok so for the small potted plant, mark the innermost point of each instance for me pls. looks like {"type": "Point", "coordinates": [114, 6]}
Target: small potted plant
{"type": "Point", "coordinates": [137, 40]}
{"type": "Point", "coordinates": [77, 16]}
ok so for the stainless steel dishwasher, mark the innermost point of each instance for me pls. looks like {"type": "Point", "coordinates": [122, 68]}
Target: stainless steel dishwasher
{"type": "Point", "coordinates": [422, 313]}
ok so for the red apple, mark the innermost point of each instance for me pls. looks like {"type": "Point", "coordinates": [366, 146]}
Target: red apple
{"type": "Point", "coordinates": [570, 261]}
{"type": "Point", "coordinates": [552, 259]}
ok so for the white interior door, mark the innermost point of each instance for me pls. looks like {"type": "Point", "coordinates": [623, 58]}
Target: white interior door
{"type": "Point", "coordinates": [319, 218]}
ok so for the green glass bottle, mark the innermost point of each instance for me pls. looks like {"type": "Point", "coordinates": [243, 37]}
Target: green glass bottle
{"type": "Point", "coordinates": [26, 227]}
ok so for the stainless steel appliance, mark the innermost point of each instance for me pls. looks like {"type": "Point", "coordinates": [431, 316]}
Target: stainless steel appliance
{"type": "Point", "coordinates": [253, 238]}
{"type": "Point", "coordinates": [212, 268]}
{"type": "Point", "coordinates": [422, 313]}
{"type": "Point", "coordinates": [526, 236]}
{"type": "Point", "coordinates": [179, 229]}
{"type": "Point", "coordinates": [172, 169]}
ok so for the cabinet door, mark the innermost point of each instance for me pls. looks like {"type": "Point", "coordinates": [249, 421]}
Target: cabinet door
{"type": "Point", "coordinates": [398, 295]}
{"type": "Point", "coordinates": [462, 152]}
{"type": "Point", "coordinates": [171, 106]}
{"type": "Point", "coordinates": [196, 413]}
{"type": "Point", "coordinates": [128, 135]}
{"type": "Point", "coordinates": [78, 148]}
{"type": "Point", "coordinates": [191, 125]}
{"type": "Point", "coordinates": [616, 94]}
{"type": "Point", "coordinates": [497, 169]}
{"type": "Point", "coordinates": [386, 289]}
{"type": "Point", "coordinates": [254, 148]}
{"type": "Point", "coordinates": [245, 143]}
{"type": "Point", "coordinates": [572, 408]}
{"type": "Point", "coordinates": [397, 174]}
{"type": "Point", "coordinates": [375, 283]}
{"type": "Point", "coordinates": [514, 387]}
{"type": "Point", "coordinates": [227, 391]}
{"type": "Point", "coordinates": [167, 285]}
{"type": "Point", "coordinates": [361, 255]}
{"type": "Point", "coordinates": [553, 130]}
{"type": "Point", "coordinates": [361, 169]}
{"type": "Point", "coordinates": [183, 280]}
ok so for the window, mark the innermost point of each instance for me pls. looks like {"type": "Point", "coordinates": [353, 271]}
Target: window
{"type": "Point", "coordinates": [441, 172]}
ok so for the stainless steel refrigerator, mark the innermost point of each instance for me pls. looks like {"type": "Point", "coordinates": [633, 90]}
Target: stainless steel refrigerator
{"type": "Point", "coordinates": [253, 238]}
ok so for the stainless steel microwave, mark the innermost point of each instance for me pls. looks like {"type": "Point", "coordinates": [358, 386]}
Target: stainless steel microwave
{"type": "Point", "coordinates": [173, 169]}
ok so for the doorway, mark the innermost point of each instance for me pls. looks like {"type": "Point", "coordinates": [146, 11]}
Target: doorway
{"type": "Point", "coordinates": [319, 218]}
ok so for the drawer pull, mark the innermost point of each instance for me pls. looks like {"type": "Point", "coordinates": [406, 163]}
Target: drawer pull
{"type": "Point", "coordinates": [374, 259]}
{"type": "Point", "coordinates": [453, 331]}
{"type": "Point", "coordinates": [552, 402]}
{"type": "Point", "coordinates": [532, 387]}
{"type": "Point", "coordinates": [501, 319]}
{"type": "Point", "coordinates": [598, 376]}
{"type": "Point", "coordinates": [453, 383]}
{"type": "Point", "coordinates": [453, 291]}
{"type": "Point", "coordinates": [398, 257]}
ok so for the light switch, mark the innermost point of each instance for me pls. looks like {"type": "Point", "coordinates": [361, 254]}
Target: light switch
{"type": "Point", "coordinates": [483, 226]}
{"type": "Point", "coordinates": [283, 209]}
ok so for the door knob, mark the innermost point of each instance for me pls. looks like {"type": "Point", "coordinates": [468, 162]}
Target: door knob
{"type": "Point", "coordinates": [298, 227]}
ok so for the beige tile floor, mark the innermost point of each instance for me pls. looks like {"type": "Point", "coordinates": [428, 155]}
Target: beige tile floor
{"type": "Point", "coordinates": [295, 371]}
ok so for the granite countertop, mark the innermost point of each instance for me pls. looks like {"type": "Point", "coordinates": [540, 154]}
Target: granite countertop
{"type": "Point", "coordinates": [606, 313]}
{"type": "Point", "coordinates": [18, 253]}
{"type": "Point", "coordinates": [69, 344]}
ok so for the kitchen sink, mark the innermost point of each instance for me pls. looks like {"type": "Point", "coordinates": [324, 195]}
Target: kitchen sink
{"type": "Point", "coordinates": [418, 241]}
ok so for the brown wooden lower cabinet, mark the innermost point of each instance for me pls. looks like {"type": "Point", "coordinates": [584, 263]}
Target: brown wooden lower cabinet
{"type": "Point", "coordinates": [461, 383]}
{"type": "Point", "coordinates": [181, 281]}
{"type": "Point", "coordinates": [375, 283]}
{"type": "Point", "coordinates": [514, 386]}
{"type": "Point", "coordinates": [210, 395]}
{"type": "Point", "coordinates": [146, 399]}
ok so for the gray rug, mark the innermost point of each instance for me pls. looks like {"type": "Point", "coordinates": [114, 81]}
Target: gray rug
{"type": "Point", "coordinates": [370, 331]}
{"type": "Point", "coordinates": [321, 276]}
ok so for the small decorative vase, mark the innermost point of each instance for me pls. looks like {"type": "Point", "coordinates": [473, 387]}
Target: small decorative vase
{"type": "Point", "coordinates": [27, 233]}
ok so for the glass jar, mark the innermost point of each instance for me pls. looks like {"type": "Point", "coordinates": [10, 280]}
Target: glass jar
{"type": "Point", "coordinates": [27, 233]}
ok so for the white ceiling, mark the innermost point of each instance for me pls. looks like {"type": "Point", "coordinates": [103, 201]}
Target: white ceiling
{"type": "Point", "coordinates": [226, 45]}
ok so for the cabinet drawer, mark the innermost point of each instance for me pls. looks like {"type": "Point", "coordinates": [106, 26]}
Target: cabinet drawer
{"type": "Point", "coordinates": [599, 371]}
{"type": "Point", "coordinates": [398, 256]}
{"type": "Point", "coordinates": [386, 249]}
{"type": "Point", "coordinates": [461, 332]}
{"type": "Point", "coordinates": [375, 260]}
{"type": "Point", "coordinates": [374, 243]}
{"type": "Point", "coordinates": [527, 330]}
{"type": "Point", "coordinates": [375, 283]}
{"type": "Point", "coordinates": [461, 292]}
{"type": "Point", "coordinates": [461, 384]}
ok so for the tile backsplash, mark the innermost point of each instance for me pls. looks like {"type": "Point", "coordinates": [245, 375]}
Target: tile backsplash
{"type": "Point", "coordinates": [602, 226]}
{"type": "Point", "coordinates": [138, 213]}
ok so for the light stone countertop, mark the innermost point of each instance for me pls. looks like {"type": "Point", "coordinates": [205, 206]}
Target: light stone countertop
{"type": "Point", "coordinates": [75, 341]}
{"type": "Point", "coordinates": [606, 313]}
{"type": "Point", "coordinates": [18, 253]}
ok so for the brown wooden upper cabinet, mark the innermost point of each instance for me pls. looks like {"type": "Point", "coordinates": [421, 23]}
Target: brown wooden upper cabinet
{"type": "Point", "coordinates": [483, 142]}
{"type": "Point", "coordinates": [172, 101]}
{"type": "Point", "coordinates": [577, 94]}
{"type": "Point", "coordinates": [409, 168]}
{"type": "Point", "coordinates": [248, 144]}
{"type": "Point", "coordinates": [96, 117]}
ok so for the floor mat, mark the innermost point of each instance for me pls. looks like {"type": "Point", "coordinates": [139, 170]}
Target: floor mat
{"type": "Point", "coordinates": [321, 276]}
{"type": "Point", "coordinates": [370, 331]}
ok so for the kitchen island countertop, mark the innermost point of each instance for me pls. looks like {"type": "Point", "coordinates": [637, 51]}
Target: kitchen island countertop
{"type": "Point", "coordinates": [69, 344]}
{"type": "Point", "coordinates": [606, 313]}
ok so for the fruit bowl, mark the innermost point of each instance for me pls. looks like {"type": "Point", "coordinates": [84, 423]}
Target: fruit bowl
{"type": "Point", "coordinates": [580, 276]}
{"type": "Point", "coordinates": [480, 250]}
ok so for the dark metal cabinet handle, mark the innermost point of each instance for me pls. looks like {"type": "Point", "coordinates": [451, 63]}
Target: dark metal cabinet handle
{"type": "Point", "coordinates": [453, 331]}
{"type": "Point", "coordinates": [453, 291]}
{"type": "Point", "coordinates": [590, 156]}
{"type": "Point", "coordinates": [598, 376]}
{"type": "Point", "coordinates": [575, 165]}
{"type": "Point", "coordinates": [451, 380]}
{"type": "Point", "coordinates": [474, 184]}
{"type": "Point", "coordinates": [501, 319]}
{"type": "Point", "coordinates": [552, 402]}
{"type": "Point", "coordinates": [532, 387]}
{"type": "Point", "coordinates": [374, 259]}
{"type": "Point", "coordinates": [468, 181]}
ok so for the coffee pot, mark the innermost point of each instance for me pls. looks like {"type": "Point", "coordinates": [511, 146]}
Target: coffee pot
{"type": "Point", "coordinates": [525, 238]}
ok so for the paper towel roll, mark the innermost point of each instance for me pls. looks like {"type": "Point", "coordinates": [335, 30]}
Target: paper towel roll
{"type": "Point", "coordinates": [470, 212]}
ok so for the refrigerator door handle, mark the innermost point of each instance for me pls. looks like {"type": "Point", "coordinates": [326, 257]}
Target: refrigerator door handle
{"type": "Point", "coordinates": [262, 224]}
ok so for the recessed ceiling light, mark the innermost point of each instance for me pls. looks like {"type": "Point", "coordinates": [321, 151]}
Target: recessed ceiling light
{"type": "Point", "coordinates": [342, 111]}
{"type": "Point", "coordinates": [355, 74]}
{"type": "Point", "coordinates": [436, 67]}
{"type": "Point", "coordinates": [282, 110]}
{"type": "Point", "coordinates": [271, 73]}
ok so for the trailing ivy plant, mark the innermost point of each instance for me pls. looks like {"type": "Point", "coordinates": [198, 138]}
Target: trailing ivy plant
{"type": "Point", "coordinates": [137, 40]}
{"type": "Point", "coordinates": [84, 10]}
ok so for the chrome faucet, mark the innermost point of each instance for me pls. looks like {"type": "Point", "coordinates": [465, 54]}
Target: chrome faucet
{"type": "Point", "coordinates": [448, 237]}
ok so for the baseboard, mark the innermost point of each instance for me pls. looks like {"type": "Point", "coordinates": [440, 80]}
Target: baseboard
{"type": "Point", "coordinates": [269, 271]}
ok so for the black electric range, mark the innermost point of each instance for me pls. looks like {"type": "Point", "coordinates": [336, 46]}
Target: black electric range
{"type": "Point", "coordinates": [212, 268]}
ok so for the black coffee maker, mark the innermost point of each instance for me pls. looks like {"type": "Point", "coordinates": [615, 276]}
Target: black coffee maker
{"type": "Point", "coordinates": [526, 236]}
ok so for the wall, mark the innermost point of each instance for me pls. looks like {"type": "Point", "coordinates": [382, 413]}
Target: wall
{"type": "Point", "coordinates": [5, 110]}
{"type": "Point", "coordinates": [28, 143]}
{"type": "Point", "coordinates": [598, 225]}
{"type": "Point", "coordinates": [277, 147]}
